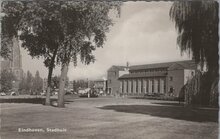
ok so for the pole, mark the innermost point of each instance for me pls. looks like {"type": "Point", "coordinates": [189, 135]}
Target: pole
{"type": "Point", "coordinates": [88, 88]}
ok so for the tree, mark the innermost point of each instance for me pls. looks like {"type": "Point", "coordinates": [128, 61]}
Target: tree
{"type": "Point", "coordinates": [74, 86]}
{"type": "Point", "coordinates": [6, 81]}
{"type": "Point", "coordinates": [37, 83]}
{"type": "Point", "coordinates": [22, 84]}
{"type": "Point", "coordinates": [197, 26]}
{"type": "Point", "coordinates": [60, 31]}
{"type": "Point", "coordinates": [83, 33]}
{"type": "Point", "coordinates": [55, 81]}
{"type": "Point", "coordinates": [39, 33]}
{"type": "Point", "coordinates": [29, 82]}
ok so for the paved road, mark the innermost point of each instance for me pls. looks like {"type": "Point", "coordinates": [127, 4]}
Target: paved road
{"type": "Point", "coordinates": [109, 118]}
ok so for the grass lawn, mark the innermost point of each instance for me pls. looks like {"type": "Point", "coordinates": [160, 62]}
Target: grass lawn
{"type": "Point", "coordinates": [109, 118]}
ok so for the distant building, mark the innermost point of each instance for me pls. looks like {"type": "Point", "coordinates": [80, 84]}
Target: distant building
{"type": "Point", "coordinates": [113, 74]}
{"type": "Point", "coordinates": [163, 78]}
{"type": "Point", "coordinates": [100, 86]}
{"type": "Point", "coordinates": [14, 62]}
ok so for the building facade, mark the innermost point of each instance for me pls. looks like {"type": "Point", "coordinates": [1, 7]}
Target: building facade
{"type": "Point", "coordinates": [14, 62]}
{"type": "Point", "coordinates": [113, 73]}
{"type": "Point", "coordinates": [162, 78]}
{"type": "Point", "coordinates": [100, 86]}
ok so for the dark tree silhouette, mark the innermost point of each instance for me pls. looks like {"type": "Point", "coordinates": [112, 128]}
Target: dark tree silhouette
{"type": "Point", "coordinates": [197, 26]}
{"type": "Point", "coordinates": [59, 31]}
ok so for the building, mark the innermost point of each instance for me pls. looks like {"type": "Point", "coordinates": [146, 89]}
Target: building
{"type": "Point", "coordinates": [162, 78]}
{"type": "Point", "coordinates": [100, 86]}
{"type": "Point", "coordinates": [14, 62]}
{"type": "Point", "coordinates": [113, 74]}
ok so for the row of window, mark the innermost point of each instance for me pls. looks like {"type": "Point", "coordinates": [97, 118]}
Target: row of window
{"type": "Point", "coordinates": [149, 84]}
{"type": "Point", "coordinates": [150, 70]}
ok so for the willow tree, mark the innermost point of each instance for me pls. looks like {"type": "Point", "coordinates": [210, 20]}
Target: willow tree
{"type": "Point", "coordinates": [197, 26]}
{"type": "Point", "coordinates": [59, 31]}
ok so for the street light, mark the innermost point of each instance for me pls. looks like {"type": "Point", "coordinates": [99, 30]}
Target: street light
{"type": "Point", "coordinates": [105, 85]}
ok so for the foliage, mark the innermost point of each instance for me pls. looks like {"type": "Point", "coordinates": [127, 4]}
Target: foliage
{"type": "Point", "coordinates": [55, 82]}
{"type": "Point", "coordinates": [59, 31]}
{"type": "Point", "coordinates": [80, 84]}
{"type": "Point", "coordinates": [77, 27]}
{"type": "Point", "coordinates": [37, 83]}
{"type": "Point", "coordinates": [6, 81]}
{"type": "Point", "coordinates": [200, 91]}
{"type": "Point", "coordinates": [30, 84]}
{"type": "Point", "coordinates": [197, 26]}
{"type": "Point", "coordinates": [214, 93]}
{"type": "Point", "coordinates": [22, 84]}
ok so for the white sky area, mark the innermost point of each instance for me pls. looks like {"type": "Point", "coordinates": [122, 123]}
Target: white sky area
{"type": "Point", "coordinates": [143, 34]}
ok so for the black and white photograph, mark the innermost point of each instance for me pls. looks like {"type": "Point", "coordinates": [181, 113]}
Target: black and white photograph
{"type": "Point", "coordinates": [109, 69]}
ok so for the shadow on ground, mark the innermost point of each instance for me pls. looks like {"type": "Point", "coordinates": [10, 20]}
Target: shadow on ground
{"type": "Point", "coordinates": [23, 100]}
{"type": "Point", "coordinates": [180, 113]}
{"type": "Point", "coordinates": [30, 100]}
{"type": "Point", "coordinates": [169, 103]}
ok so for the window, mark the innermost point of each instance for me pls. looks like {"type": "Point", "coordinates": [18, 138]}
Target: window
{"type": "Point", "coordinates": [171, 78]}
{"type": "Point", "coordinates": [142, 86]}
{"type": "Point", "coordinates": [131, 86]}
{"type": "Point", "coordinates": [158, 86]}
{"type": "Point", "coordinates": [153, 86]}
{"type": "Point", "coordinates": [122, 86]}
{"type": "Point", "coordinates": [136, 85]}
{"type": "Point", "coordinates": [164, 87]}
{"type": "Point", "coordinates": [127, 86]}
{"type": "Point", "coordinates": [109, 90]}
{"type": "Point", "coordinates": [146, 85]}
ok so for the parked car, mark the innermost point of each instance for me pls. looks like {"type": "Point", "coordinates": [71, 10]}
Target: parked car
{"type": "Point", "coordinates": [55, 93]}
{"type": "Point", "coordinates": [92, 93]}
{"type": "Point", "coordinates": [68, 93]}
{"type": "Point", "coordinates": [13, 93]}
{"type": "Point", "coordinates": [43, 94]}
{"type": "Point", "coordinates": [2, 94]}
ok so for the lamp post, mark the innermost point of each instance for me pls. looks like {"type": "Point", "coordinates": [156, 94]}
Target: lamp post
{"type": "Point", "coordinates": [88, 88]}
{"type": "Point", "coordinates": [105, 85]}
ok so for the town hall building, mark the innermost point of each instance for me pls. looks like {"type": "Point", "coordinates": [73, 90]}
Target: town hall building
{"type": "Point", "coordinates": [160, 78]}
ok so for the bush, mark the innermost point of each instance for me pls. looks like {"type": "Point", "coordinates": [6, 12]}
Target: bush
{"type": "Point", "coordinates": [202, 89]}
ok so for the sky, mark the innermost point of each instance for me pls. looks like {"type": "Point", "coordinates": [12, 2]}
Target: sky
{"type": "Point", "coordinates": [143, 34]}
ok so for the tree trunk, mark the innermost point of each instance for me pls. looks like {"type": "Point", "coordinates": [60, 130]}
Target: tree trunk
{"type": "Point", "coordinates": [50, 71]}
{"type": "Point", "coordinates": [63, 78]}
